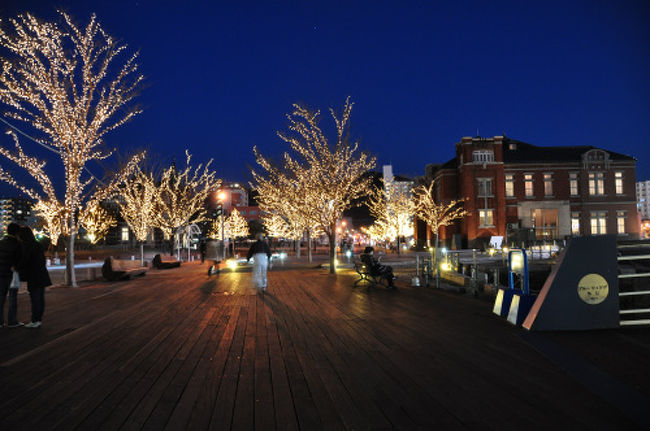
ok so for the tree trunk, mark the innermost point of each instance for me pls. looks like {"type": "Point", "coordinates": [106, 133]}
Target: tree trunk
{"type": "Point", "coordinates": [142, 253]}
{"type": "Point", "coordinates": [399, 249]}
{"type": "Point", "coordinates": [332, 238]}
{"type": "Point", "coordinates": [309, 253]}
{"type": "Point", "coordinates": [71, 276]}
{"type": "Point", "coordinates": [297, 242]}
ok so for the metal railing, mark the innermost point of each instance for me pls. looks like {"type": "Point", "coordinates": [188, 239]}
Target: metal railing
{"type": "Point", "coordinates": [634, 293]}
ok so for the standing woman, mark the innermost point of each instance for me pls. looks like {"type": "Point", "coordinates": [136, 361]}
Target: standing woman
{"type": "Point", "coordinates": [33, 270]}
{"type": "Point", "coordinates": [261, 251]}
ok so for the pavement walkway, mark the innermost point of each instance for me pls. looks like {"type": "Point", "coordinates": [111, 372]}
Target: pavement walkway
{"type": "Point", "coordinates": [178, 350]}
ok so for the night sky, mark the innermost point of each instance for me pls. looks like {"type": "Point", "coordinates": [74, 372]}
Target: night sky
{"type": "Point", "coordinates": [220, 77]}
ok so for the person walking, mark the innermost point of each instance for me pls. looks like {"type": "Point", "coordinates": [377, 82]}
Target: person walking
{"type": "Point", "coordinates": [261, 252]}
{"type": "Point", "coordinates": [10, 252]}
{"type": "Point", "coordinates": [33, 270]}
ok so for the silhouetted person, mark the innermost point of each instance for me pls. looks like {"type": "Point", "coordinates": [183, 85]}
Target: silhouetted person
{"type": "Point", "coordinates": [10, 252]}
{"type": "Point", "coordinates": [261, 252]}
{"type": "Point", "coordinates": [32, 269]}
{"type": "Point", "coordinates": [376, 268]}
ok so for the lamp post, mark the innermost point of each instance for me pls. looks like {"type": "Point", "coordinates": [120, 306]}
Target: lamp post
{"type": "Point", "coordinates": [222, 197]}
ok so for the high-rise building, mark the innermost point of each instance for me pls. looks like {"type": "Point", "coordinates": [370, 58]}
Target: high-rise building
{"type": "Point", "coordinates": [15, 210]}
{"type": "Point", "coordinates": [643, 198]}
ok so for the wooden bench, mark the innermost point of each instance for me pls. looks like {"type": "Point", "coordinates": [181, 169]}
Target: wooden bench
{"type": "Point", "coordinates": [366, 275]}
{"type": "Point", "coordinates": [159, 262]}
{"type": "Point", "coordinates": [120, 269]}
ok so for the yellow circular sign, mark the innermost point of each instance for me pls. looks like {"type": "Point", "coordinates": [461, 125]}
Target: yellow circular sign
{"type": "Point", "coordinates": [593, 289]}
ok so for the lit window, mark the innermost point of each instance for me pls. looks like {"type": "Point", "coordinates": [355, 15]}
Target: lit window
{"type": "Point", "coordinates": [618, 180]}
{"type": "Point", "coordinates": [548, 184]}
{"type": "Point", "coordinates": [510, 185]}
{"type": "Point", "coordinates": [575, 223]}
{"type": "Point", "coordinates": [573, 184]}
{"type": "Point", "coordinates": [528, 184]}
{"type": "Point", "coordinates": [596, 183]}
{"type": "Point", "coordinates": [485, 218]}
{"type": "Point", "coordinates": [483, 156]}
{"type": "Point", "coordinates": [620, 222]}
{"type": "Point", "coordinates": [125, 233]}
{"type": "Point", "coordinates": [598, 222]}
{"type": "Point", "coordinates": [484, 187]}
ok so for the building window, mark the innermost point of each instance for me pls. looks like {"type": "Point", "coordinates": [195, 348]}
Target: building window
{"type": "Point", "coordinates": [596, 183]}
{"type": "Point", "coordinates": [545, 223]}
{"type": "Point", "coordinates": [618, 181]}
{"type": "Point", "coordinates": [573, 184]}
{"type": "Point", "coordinates": [548, 184]}
{"type": "Point", "coordinates": [483, 156]}
{"type": "Point", "coordinates": [620, 222]}
{"type": "Point", "coordinates": [125, 233]}
{"type": "Point", "coordinates": [484, 187]}
{"type": "Point", "coordinates": [485, 218]}
{"type": "Point", "coordinates": [575, 223]}
{"type": "Point", "coordinates": [510, 185]}
{"type": "Point", "coordinates": [598, 222]}
{"type": "Point", "coordinates": [528, 184]}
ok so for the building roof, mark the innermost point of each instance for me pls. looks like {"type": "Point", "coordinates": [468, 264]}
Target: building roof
{"type": "Point", "coordinates": [528, 153]}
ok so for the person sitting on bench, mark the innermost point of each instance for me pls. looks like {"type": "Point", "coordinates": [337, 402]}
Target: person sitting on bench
{"type": "Point", "coordinates": [377, 268]}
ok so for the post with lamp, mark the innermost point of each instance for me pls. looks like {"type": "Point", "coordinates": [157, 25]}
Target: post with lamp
{"type": "Point", "coordinates": [221, 195]}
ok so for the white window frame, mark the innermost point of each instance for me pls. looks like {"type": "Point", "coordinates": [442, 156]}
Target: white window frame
{"type": "Point", "coordinates": [529, 179]}
{"type": "Point", "coordinates": [598, 222]}
{"type": "Point", "coordinates": [510, 185]}
{"type": "Point", "coordinates": [484, 216]}
{"type": "Point", "coordinates": [482, 192]}
{"type": "Point", "coordinates": [483, 156]}
{"type": "Point", "coordinates": [573, 184]}
{"type": "Point", "coordinates": [575, 223]}
{"type": "Point", "coordinates": [620, 222]}
{"type": "Point", "coordinates": [596, 183]}
{"type": "Point", "coordinates": [618, 182]}
{"type": "Point", "coordinates": [548, 184]}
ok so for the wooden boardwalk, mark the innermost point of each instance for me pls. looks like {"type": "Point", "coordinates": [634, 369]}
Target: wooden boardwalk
{"type": "Point", "coordinates": [175, 350]}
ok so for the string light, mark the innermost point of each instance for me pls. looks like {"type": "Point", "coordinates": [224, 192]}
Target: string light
{"type": "Point", "coordinates": [60, 81]}
{"type": "Point", "coordinates": [436, 214]}
{"type": "Point", "coordinates": [393, 209]}
{"type": "Point", "coordinates": [96, 220]}
{"type": "Point", "coordinates": [314, 186]}
{"type": "Point", "coordinates": [181, 196]}
{"type": "Point", "coordinates": [237, 225]}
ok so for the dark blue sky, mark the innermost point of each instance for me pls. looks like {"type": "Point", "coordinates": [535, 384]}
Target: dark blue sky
{"type": "Point", "coordinates": [220, 76]}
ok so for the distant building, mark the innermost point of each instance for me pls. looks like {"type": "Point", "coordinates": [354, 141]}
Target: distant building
{"type": "Point", "coordinates": [524, 192]}
{"type": "Point", "coordinates": [402, 184]}
{"type": "Point", "coordinates": [643, 198]}
{"type": "Point", "coordinates": [16, 210]}
{"type": "Point", "coordinates": [235, 195]}
{"type": "Point", "coordinates": [250, 212]}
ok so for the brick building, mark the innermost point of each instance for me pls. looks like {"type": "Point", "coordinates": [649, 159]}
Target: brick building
{"type": "Point", "coordinates": [524, 192]}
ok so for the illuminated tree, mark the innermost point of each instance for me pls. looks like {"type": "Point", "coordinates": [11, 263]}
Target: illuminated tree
{"type": "Point", "coordinates": [219, 225]}
{"type": "Point", "coordinates": [238, 226]}
{"type": "Point", "coordinates": [436, 214]}
{"type": "Point", "coordinates": [393, 209]}
{"type": "Point", "coordinates": [181, 196]}
{"type": "Point", "coordinates": [96, 220]}
{"type": "Point", "coordinates": [53, 218]}
{"type": "Point", "coordinates": [137, 203]}
{"type": "Point", "coordinates": [327, 178]}
{"type": "Point", "coordinates": [61, 79]}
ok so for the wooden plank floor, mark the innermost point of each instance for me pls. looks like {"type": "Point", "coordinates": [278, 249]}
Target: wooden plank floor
{"type": "Point", "coordinates": [177, 350]}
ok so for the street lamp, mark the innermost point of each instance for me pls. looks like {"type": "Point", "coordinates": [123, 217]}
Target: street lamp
{"type": "Point", "coordinates": [222, 197]}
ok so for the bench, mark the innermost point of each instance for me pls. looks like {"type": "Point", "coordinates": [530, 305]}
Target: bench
{"type": "Point", "coordinates": [159, 263]}
{"type": "Point", "coordinates": [366, 275]}
{"type": "Point", "coordinates": [120, 269]}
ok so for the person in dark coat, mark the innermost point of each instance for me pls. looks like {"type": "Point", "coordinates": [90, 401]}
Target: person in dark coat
{"type": "Point", "coordinates": [261, 251]}
{"type": "Point", "coordinates": [377, 268]}
{"type": "Point", "coordinates": [10, 252]}
{"type": "Point", "coordinates": [32, 269]}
